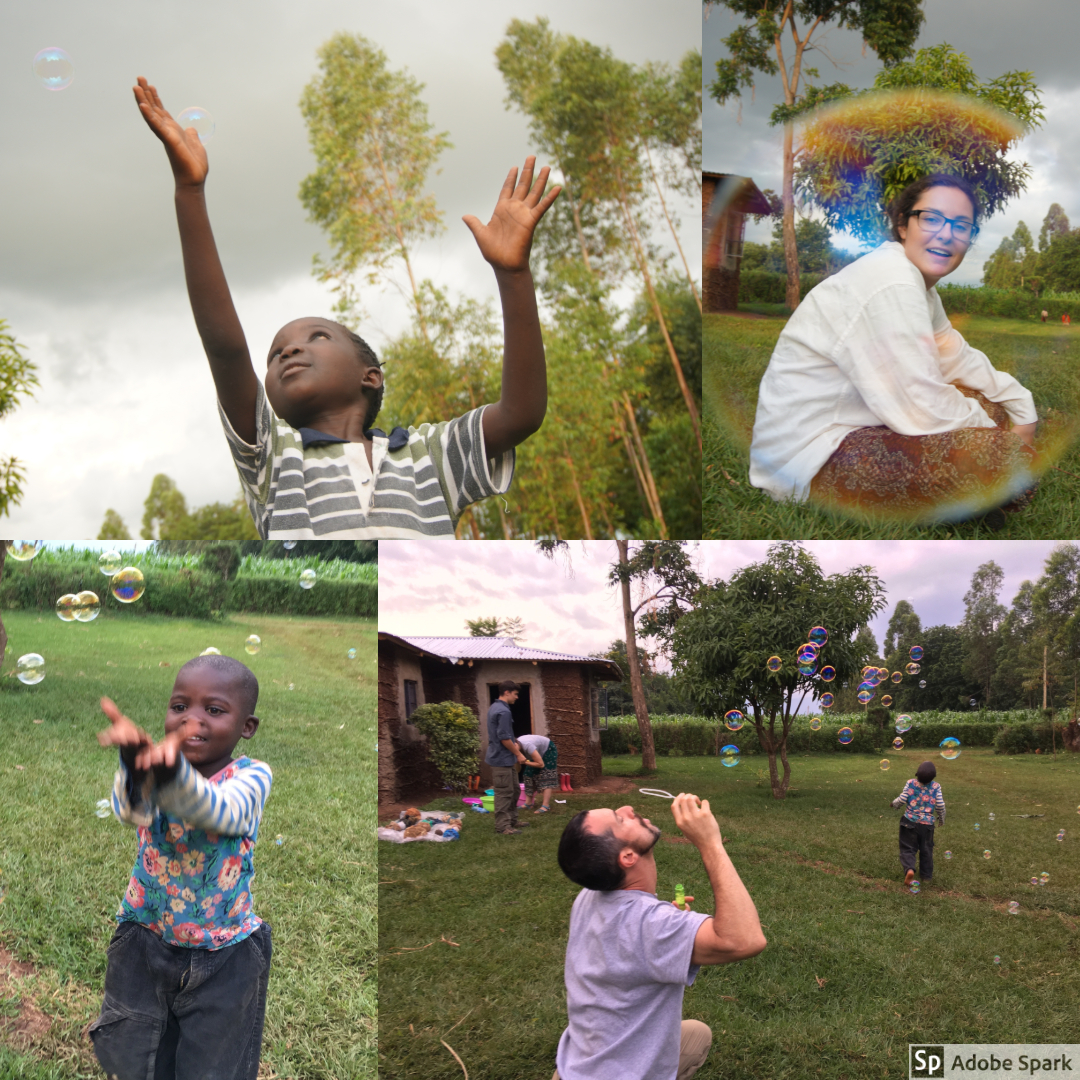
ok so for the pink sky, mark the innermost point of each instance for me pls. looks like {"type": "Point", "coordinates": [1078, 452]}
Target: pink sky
{"type": "Point", "coordinates": [432, 587]}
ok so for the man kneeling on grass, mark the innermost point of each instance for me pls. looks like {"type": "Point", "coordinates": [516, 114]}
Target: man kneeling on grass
{"type": "Point", "coordinates": [630, 955]}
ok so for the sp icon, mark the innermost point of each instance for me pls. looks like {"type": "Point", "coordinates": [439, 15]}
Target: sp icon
{"type": "Point", "coordinates": [926, 1062]}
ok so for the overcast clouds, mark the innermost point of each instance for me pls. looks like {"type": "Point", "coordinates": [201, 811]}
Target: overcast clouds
{"type": "Point", "coordinates": [1038, 36]}
{"type": "Point", "coordinates": [90, 278]}
{"type": "Point", "coordinates": [429, 587]}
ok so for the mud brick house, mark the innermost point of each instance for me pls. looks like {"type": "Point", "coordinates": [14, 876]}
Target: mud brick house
{"type": "Point", "coordinates": [558, 698]}
{"type": "Point", "coordinates": [723, 239]}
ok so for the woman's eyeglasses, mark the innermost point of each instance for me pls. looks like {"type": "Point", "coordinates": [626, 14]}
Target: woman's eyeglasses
{"type": "Point", "coordinates": [931, 221]}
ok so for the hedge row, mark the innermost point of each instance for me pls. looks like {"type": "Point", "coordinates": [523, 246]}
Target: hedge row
{"type": "Point", "coordinates": [1007, 303]}
{"type": "Point", "coordinates": [769, 287]}
{"type": "Point", "coordinates": [698, 738]}
{"type": "Point", "coordinates": [189, 593]}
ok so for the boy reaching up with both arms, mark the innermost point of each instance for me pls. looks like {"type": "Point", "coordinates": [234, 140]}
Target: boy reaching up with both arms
{"type": "Point", "coordinates": [311, 465]}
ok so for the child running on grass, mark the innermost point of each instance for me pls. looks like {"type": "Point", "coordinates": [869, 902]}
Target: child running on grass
{"type": "Point", "coordinates": [923, 800]}
{"type": "Point", "coordinates": [311, 464]}
{"type": "Point", "coordinates": [188, 966]}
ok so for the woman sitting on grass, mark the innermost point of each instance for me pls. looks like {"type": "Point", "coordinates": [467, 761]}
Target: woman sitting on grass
{"type": "Point", "coordinates": [873, 402]}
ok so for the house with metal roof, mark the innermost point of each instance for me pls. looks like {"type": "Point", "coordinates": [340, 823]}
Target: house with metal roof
{"type": "Point", "coordinates": [725, 202]}
{"type": "Point", "coordinates": [558, 698]}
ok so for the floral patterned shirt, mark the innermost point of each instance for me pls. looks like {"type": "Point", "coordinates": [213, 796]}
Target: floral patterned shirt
{"type": "Point", "coordinates": [923, 802]}
{"type": "Point", "coordinates": [191, 883]}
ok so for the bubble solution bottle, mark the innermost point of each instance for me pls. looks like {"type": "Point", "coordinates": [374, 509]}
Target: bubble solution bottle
{"type": "Point", "coordinates": [680, 897]}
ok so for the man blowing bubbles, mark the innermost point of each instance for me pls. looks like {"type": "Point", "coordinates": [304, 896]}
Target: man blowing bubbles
{"type": "Point", "coordinates": [630, 956]}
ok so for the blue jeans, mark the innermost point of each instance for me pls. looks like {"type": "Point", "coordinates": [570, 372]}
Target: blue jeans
{"type": "Point", "coordinates": [173, 1013]}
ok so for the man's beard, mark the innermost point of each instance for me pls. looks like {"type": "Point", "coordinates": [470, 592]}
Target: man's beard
{"type": "Point", "coordinates": [645, 848]}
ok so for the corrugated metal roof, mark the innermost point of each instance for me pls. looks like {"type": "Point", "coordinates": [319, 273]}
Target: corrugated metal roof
{"type": "Point", "coordinates": [490, 648]}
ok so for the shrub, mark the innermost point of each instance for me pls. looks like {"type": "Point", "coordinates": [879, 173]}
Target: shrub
{"type": "Point", "coordinates": [453, 736]}
{"type": "Point", "coordinates": [1026, 738]}
{"type": "Point", "coordinates": [222, 559]}
{"type": "Point", "coordinates": [1006, 303]}
{"type": "Point", "coordinates": [769, 287]}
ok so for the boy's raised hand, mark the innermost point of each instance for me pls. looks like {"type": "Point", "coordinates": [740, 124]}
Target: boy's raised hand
{"type": "Point", "coordinates": [122, 733]}
{"type": "Point", "coordinates": [187, 155]}
{"type": "Point", "coordinates": [506, 239]}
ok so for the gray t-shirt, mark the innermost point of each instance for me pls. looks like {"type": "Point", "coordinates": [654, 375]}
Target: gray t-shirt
{"type": "Point", "coordinates": [627, 965]}
{"type": "Point", "coordinates": [539, 743]}
{"type": "Point", "coordinates": [500, 722]}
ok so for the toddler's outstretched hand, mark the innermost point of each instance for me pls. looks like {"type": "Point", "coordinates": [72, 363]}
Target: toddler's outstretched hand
{"type": "Point", "coordinates": [187, 155]}
{"type": "Point", "coordinates": [505, 241]}
{"type": "Point", "coordinates": [130, 738]}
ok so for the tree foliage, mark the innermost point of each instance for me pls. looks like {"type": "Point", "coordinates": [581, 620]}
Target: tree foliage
{"type": "Point", "coordinates": [453, 735]}
{"type": "Point", "coordinates": [496, 626]}
{"type": "Point", "coordinates": [166, 517]}
{"type": "Point", "coordinates": [113, 527]}
{"type": "Point", "coordinates": [854, 162]}
{"type": "Point", "coordinates": [720, 648]}
{"type": "Point", "coordinates": [18, 377]}
{"type": "Point", "coordinates": [1015, 260]}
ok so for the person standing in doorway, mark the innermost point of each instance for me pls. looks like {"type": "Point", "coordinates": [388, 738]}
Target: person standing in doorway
{"type": "Point", "coordinates": [503, 756]}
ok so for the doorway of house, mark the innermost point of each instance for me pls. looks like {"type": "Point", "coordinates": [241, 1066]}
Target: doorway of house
{"type": "Point", "coordinates": [521, 710]}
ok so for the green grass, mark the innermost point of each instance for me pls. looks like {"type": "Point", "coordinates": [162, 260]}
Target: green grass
{"type": "Point", "coordinates": [737, 350]}
{"type": "Point", "coordinates": [62, 870]}
{"type": "Point", "coordinates": [823, 870]}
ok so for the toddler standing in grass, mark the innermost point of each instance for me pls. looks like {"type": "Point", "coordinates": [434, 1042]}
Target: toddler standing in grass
{"type": "Point", "coordinates": [923, 800]}
{"type": "Point", "coordinates": [188, 966]}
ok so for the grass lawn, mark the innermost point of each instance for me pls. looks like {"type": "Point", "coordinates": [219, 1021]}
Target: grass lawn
{"type": "Point", "coordinates": [1044, 357]}
{"type": "Point", "coordinates": [856, 967]}
{"type": "Point", "coordinates": [63, 870]}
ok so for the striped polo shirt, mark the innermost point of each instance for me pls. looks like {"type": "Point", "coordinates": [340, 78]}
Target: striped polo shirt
{"type": "Point", "coordinates": [306, 485]}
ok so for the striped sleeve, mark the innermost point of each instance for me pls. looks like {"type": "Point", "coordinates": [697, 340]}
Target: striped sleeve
{"type": "Point", "coordinates": [939, 802]}
{"type": "Point", "coordinates": [131, 804]}
{"type": "Point", "coordinates": [254, 463]}
{"type": "Point", "coordinates": [231, 808]}
{"type": "Point", "coordinates": [904, 795]}
{"type": "Point", "coordinates": [466, 473]}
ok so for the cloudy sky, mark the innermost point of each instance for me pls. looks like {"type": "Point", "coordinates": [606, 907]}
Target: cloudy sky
{"type": "Point", "coordinates": [91, 280]}
{"type": "Point", "coordinates": [430, 587]}
{"type": "Point", "coordinates": [1037, 36]}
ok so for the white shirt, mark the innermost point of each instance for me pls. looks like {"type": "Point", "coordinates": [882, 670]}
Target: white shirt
{"type": "Point", "coordinates": [869, 346]}
{"type": "Point", "coordinates": [539, 743]}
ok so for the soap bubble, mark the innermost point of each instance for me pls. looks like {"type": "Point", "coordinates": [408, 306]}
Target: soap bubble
{"type": "Point", "coordinates": [884, 764]}
{"type": "Point", "coordinates": [845, 735]}
{"type": "Point", "coordinates": [128, 585]}
{"type": "Point", "coordinates": [922, 684]}
{"type": "Point", "coordinates": [948, 854]}
{"type": "Point", "coordinates": [291, 687]}
{"type": "Point", "coordinates": [897, 676]}
{"type": "Point", "coordinates": [808, 669]}
{"type": "Point", "coordinates": [1034, 881]}
{"type": "Point", "coordinates": [997, 959]}
{"type": "Point", "coordinates": [351, 654]}
{"type": "Point", "coordinates": [54, 69]}
{"type": "Point", "coordinates": [991, 815]}
{"type": "Point", "coordinates": [199, 119]}
{"type": "Point", "coordinates": [827, 702]}
{"type": "Point", "coordinates": [86, 606]}
{"type": "Point", "coordinates": [1060, 835]}
{"type": "Point", "coordinates": [913, 669]}
{"type": "Point", "coordinates": [109, 562]}
{"type": "Point", "coordinates": [253, 644]}
{"type": "Point", "coordinates": [23, 550]}
{"type": "Point", "coordinates": [915, 652]}
{"type": "Point", "coordinates": [973, 703]}
{"type": "Point", "coordinates": [288, 545]}
{"type": "Point", "coordinates": [898, 743]}
{"type": "Point", "coordinates": [774, 663]}
{"type": "Point", "coordinates": [307, 579]}
{"type": "Point", "coordinates": [65, 607]}
{"type": "Point", "coordinates": [210, 651]}
{"type": "Point", "coordinates": [828, 673]}
{"type": "Point", "coordinates": [733, 720]}
{"type": "Point", "coordinates": [818, 635]}
{"type": "Point", "coordinates": [977, 826]}
{"type": "Point", "coordinates": [903, 723]}
{"type": "Point", "coordinates": [865, 697]}
{"type": "Point", "coordinates": [1014, 907]}
{"type": "Point", "coordinates": [950, 748]}
{"type": "Point", "coordinates": [1044, 877]}
{"type": "Point", "coordinates": [887, 700]}
{"type": "Point", "coordinates": [729, 755]}
{"type": "Point", "coordinates": [866, 671]}
{"type": "Point", "coordinates": [280, 840]}
{"type": "Point", "coordinates": [868, 684]}
{"type": "Point", "coordinates": [807, 653]}
{"type": "Point", "coordinates": [986, 854]}
{"type": "Point", "coordinates": [104, 808]}
{"type": "Point", "coordinates": [914, 888]}
{"type": "Point", "coordinates": [31, 668]}
{"type": "Point", "coordinates": [815, 723]}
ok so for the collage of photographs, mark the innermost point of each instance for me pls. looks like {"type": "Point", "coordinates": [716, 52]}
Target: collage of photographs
{"type": "Point", "coordinates": [559, 656]}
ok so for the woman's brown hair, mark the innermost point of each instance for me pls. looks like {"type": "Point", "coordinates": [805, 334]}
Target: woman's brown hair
{"type": "Point", "coordinates": [900, 208]}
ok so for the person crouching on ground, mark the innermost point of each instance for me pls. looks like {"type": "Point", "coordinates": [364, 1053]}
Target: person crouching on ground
{"type": "Point", "coordinates": [503, 756]}
{"type": "Point", "coordinates": [630, 955]}
{"type": "Point", "coordinates": [922, 799]}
